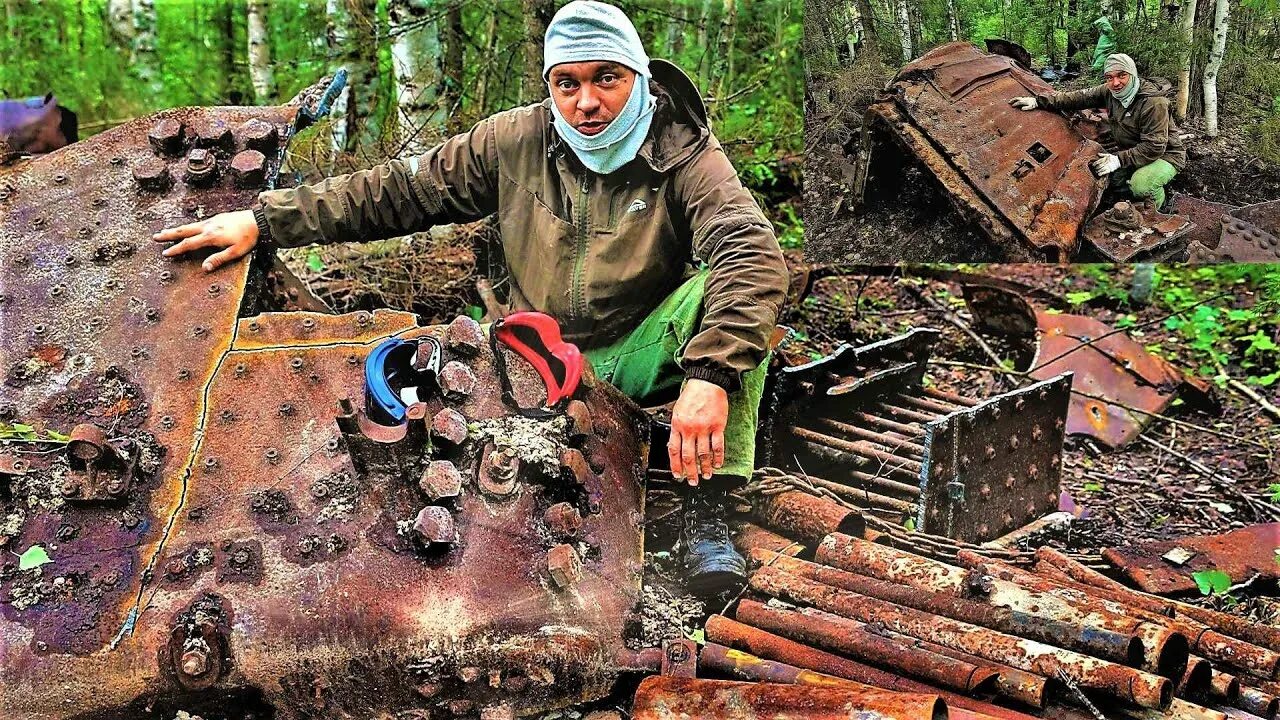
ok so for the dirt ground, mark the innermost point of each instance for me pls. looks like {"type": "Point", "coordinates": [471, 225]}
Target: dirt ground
{"type": "Point", "coordinates": [914, 222]}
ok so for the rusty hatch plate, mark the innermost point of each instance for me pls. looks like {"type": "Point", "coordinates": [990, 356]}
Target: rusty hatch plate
{"type": "Point", "coordinates": [1241, 554]}
{"type": "Point", "coordinates": [292, 564]}
{"type": "Point", "coordinates": [1032, 166]}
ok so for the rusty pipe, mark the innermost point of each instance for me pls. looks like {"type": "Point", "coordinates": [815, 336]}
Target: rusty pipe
{"type": "Point", "coordinates": [1237, 627]}
{"type": "Point", "coordinates": [1224, 687]}
{"type": "Point", "coordinates": [662, 697]}
{"type": "Point", "coordinates": [1140, 688]}
{"type": "Point", "coordinates": [1090, 641]}
{"type": "Point", "coordinates": [909, 431]}
{"type": "Point", "coordinates": [889, 442]}
{"type": "Point", "coordinates": [926, 404]}
{"type": "Point", "coordinates": [763, 644]}
{"type": "Point", "coordinates": [1164, 650]}
{"type": "Point", "coordinates": [745, 666]}
{"type": "Point", "coordinates": [1235, 713]}
{"type": "Point", "coordinates": [1195, 681]}
{"type": "Point", "coordinates": [859, 447]}
{"type": "Point", "coordinates": [907, 413]}
{"type": "Point", "coordinates": [1255, 701]}
{"type": "Point", "coordinates": [950, 397]}
{"type": "Point", "coordinates": [843, 458]}
{"type": "Point", "coordinates": [884, 485]}
{"type": "Point", "coordinates": [848, 637]}
{"type": "Point", "coordinates": [807, 518]}
{"type": "Point", "coordinates": [1182, 710]}
{"type": "Point", "coordinates": [860, 496]}
{"type": "Point", "coordinates": [751, 537]}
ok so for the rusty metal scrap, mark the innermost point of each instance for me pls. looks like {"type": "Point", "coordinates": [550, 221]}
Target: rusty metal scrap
{"type": "Point", "coordinates": [1225, 233]}
{"type": "Point", "coordinates": [1130, 232]}
{"type": "Point", "coordinates": [673, 698]}
{"type": "Point", "coordinates": [1242, 554]}
{"type": "Point", "coordinates": [227, 521]}
{"type": "Point", "coordinates": [860, 424]}
{"type": "Point", "coordinates": [1118, 386]}
{"type": "Point", "coordinates": [1024, 177]}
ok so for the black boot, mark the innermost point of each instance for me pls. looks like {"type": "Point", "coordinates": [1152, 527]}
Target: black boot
{"type": "Point", "coordinates": [714, 569]}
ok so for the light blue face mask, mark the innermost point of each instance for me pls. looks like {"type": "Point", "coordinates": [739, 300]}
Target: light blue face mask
{"type": "Point", "coordinates": [621, 139]}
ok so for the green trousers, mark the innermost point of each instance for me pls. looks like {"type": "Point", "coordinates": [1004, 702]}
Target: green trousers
{"type": "Point", "coordinates": [1148, 181]}
{"type": "Point", "coordinates": [646, 361]}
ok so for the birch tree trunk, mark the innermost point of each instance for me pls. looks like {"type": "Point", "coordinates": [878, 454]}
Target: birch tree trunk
{"type": "Point", "coordinates": [416, 55]}
{"type": "Point", "coordinates": [857, 32]}
{"type": "Point", "coordinates": [145, 58]}
{"type": "Point", "coordinates": [724, 50]}
{"type": "Point", "coordinates": [361, 50]}
{"type": "Point", "coordinates": [337, 30]}
{"type": "Point", "coordinates": [1187, 23]}
{"type": "Point", "coordinates": [904, 29]}
{"type": "Point", "coordinates": [260, 72]}
{"type": "Point", "coordinates": [454, 67]}
{"type": "Point", "coordinates": [119, 19]}
{"type": "Point", "coordinates": [868, 20]}
{"type": "Point", "coordinates": [491, 42]}
{"type": "Point", "coordinates": [537, 14]}
{"type": "Point", "coordinates": [1220, 25]}
{"type": "Point", "coordinates": [953, 21]}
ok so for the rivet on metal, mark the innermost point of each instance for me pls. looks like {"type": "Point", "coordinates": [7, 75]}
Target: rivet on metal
{"type": "Point", "coordinates": [210, 463]}
{"type": "Point", "coordinates": [183, 374]}
{"type": "Point", "coordinates": [295, 363]}
{"type": "Point", "coordinates": [285, 409]}
{"type": "Point", "coordinates": [166, 422]}
{"type": "Point", "coordinates": [272, 455]}
{"type": "Point", "coordinates": [215, 288]}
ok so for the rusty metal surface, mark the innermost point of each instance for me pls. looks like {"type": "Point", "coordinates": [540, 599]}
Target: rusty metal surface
{"type": "Point", "coordinates": [1264, 215]}
{"type": "Point", "coordinates": [1130, 232]}
{"type": "Point", "coordinates": [672, 698]}
{"type": "Point", "coordinates": [271, 547]}
{"type": "Point", "coordinates": [1243, 241]}
{"type": "Point", "coordinates": [1207, 217]}
{"type": "Point", "coordinates": [860, 424]}
{"type": "Point", "coordinates": [1116, 383]}
{"type": "Point", "coordinates": [1031, 167]}
{"type": "Point", "coordinates": [1241, 554]}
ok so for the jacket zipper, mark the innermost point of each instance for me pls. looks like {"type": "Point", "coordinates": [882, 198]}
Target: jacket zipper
{"type": "Point", "coordinates": [577, 301]}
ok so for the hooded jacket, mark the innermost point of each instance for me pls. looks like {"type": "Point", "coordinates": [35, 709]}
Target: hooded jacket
{"type": "Point", "coordinates": [1144, 131]}
{"type": "Point", "coordinates": [597, 252]}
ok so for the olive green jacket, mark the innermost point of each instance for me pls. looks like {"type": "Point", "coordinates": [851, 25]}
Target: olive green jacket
{"type": "Point", "coordinates": [597, 252]}
{"type": "Point", "coordinates": [1144, 131]}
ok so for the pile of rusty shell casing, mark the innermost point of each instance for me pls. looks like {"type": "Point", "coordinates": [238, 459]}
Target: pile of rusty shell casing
{"type": "Point", "coordinates": [662, 697]}
{"type": "Point", "coordinates": [1202, 639]}
{"type": "Point", "coordinates": [1165, 650]}
{"type": "Point", "coordinates": [1131, 685]}
{"type": "Point", "coordinates": [731, 633]}
{"type": "Point", "coordinates": [807, 518]}
{"type": "Point", "coordinates": [849, 637]}
{"type": "Point", "coordinates": [742, 665]}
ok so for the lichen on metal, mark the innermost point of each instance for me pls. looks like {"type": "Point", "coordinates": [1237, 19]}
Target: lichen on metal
{"type": "Point", "coordinates": [227, 523]}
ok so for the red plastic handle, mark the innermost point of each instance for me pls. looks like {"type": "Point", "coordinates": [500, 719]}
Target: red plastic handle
{"type": "Point", "coordinates": [559, 385]}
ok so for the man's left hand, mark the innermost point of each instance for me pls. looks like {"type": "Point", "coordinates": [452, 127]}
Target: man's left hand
{"type": "Point", "coordinates": [1105, 164]}
{"type": "Point", "coordinates": [696, 448]}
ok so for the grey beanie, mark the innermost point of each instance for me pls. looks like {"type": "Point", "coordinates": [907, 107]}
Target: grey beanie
{"type": "Point", "coordinates": [1120, 61]}
{"type": "Point", "coordinates": [588, 31]}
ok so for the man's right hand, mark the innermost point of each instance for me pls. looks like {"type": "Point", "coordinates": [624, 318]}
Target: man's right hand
{"type": "Point", "coordinates": [1024, 103]}
{"type": "Point", "coordinates": [235, 232]}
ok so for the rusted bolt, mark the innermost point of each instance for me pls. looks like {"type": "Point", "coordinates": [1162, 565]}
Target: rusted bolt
{"type": "Point", "coordinates": [213, 134]}
{"type": "Point", "coordinates": [500, 712]}
{"type": "Point", "coordinates": [285, 409]}
{"type": "Point", "coordinates": [464, 336]}
{"type": "Point", "coordinates": [500, 478]}
{"type": "Point", "coordinates": [353, 360]}
{"type": "Point", "coordinates": [240, 557]}
{"type": "Point", "coordinates": [995, 411]}
{"type": "Point", "coordinates": [201, 168]}
{"type": "Point", "coordinates": [166, 276]}
{"type": "Point", "coordinates": [563, 565]}
{"type": "Point", "coordinates": [1036, 432]}
{"type": "Point", "coordinates": [165, 137]}
{"type": "Point", "coordinates": [38, 329]}
{"type": "Point", "coordinates": [254, 326]}
{"type": "Point", "coordinates": [456, 380]}
{"type": "Point", "coordinates": [677, 652]}
{"type": "Point", "coordinates": [469, 674]}
{"type": "Point", "coordinates": [295, 364]}
{"type": "Point", "coordinates": [989, 452]}
{"type": "Point", "coordinates": [449, 425]}
{"type": "Point", "coordinates": [441, 481]}
{"type": "Point", "coordinates": [183, 374]}
{"type": "Point", "coordinates": [227, 416]}
{"type": "Point", "coordinates": [259, 135]}
{"type": "Point", "coordinates": [249, 169]}
{"type": "Point", "coordinates": [166, 422]}
{"type": "Point", "coordinates": [199, 331]}
{"type": "Point", "coordinates": [115, 486]}
{"type": "Point", "coordinates": [308, 324]}
{"type": "Point", "coordinates": [1033, 471]}
{"type": "Point", "coordinates": [580, 425]}
{"type": "Point", "coordinates": [69, 488]}
{"type": "Point", "coordinates": [320, 491]}
{"type": "Point", "coordinates": [152, 175]}
{"type": "Point", "coordinates": [195, 662]}
{"type": "Point", "coordinates": [363, 318]}
{"type": "Point", "coordinates": [495, 677]}
{"type": "Point", "coordinates": [563, 519]}
{"type": "Point", "coordinates": [1013, 442]}
{"type": "Point", "coordinates": [272, 455]}
{"type": "Point", "coordinates": [210, 463]}
{"type": "Point", "coordinates": [331, 444]}
{"type": "Point", "coordinates": [215, 288]}
{"type": "Point", "coordinates": [241, 369]}
{"type": "Point", "coordinates": [429, 689]}
{"type": "Point", "coordinates": [151, 314]}
{"type": "Point", "coordinates": [434, 526]}
{"type": "Point", "coordinates": [985, 491]}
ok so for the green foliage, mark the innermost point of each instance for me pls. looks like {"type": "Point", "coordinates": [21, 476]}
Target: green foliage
{"type": "Point", "coordinates": [1212, 582]}
{"type": "Point", "coordinates": [22, 431]}
{"type": "Point", "coordinates": [34, 557]}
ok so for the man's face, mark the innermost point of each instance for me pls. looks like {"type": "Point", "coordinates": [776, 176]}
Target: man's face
{"type": "Point", "coordinates": [590, 95]}
{"type": "Point", "coordinates": [1117, 80]}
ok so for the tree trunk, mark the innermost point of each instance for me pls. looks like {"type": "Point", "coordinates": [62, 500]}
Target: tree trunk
{"type": "Point", "coordinates": [953, 21]}
{"type": "Point", "coordinates": [491, 41]}
{"type": "Point", "coordinates": [119, 19]}
{"type": "Point", "coordinates": [904, 30]}
{"type": "Point", "coordinates": [856, 33]}
{"type": "Point", "coordinates": [363, 129]}
{"type": "Point", "coordinates": [537, 14]}
{"type": "Point", "coordinates": [146, 60]}
{"type": "Point", "coordinates": [455, 40]}
{"type": "Point", "coordinates": [915, 16]}
{"type": "Point", "coordinates": [723, 78]}
{"type": "Point", "coordinates": [1221, 21]}
{"type": "Point", "coordinates": [416, 56]}
{"type": "Point", "coordinates": [337, 30]}
{"type": "Point", "coordinates": [868, 19]}
{"type": "Point", "coordinates": [260, 71]}
{"type": "Point", "coordinates": [1184, 76]}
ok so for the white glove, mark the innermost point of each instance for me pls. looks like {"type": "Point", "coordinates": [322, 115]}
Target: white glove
{"type": "Point", "coordinates": [1024, 103]}
{"type": "Point", "coordinates": [1105, 164]}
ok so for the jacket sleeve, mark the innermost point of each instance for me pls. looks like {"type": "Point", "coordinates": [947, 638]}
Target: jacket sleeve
{"type": "Point", "coordinates": [1094, 97]}
{"type": "Point", "coordinates": [1153, 135]}
{"type": "Point", "coordinates": [455, 181]}
{"type": "Point", "coordinates": [748, 277]}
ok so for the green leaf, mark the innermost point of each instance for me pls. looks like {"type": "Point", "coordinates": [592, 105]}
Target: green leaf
{"type": "Point", "coordinates": [697, 636]}
{"type": "Point", "coordinates": [19, 427]}
{"type": "Point", "coordinates": [1079, 297]}
{"type": "Point", "coordinates": [55, 435]}
{"type": "Point", "coordinates": [1211, 582]}
{"type": "Point", "coordinates": [910, 524]}
{"type": "Point", "coordinates": [1092, 487]}
{"type": "Point", "coordinates": [34, 557]}
{"type": "Point", "coordinates": [314, 263]}
{"type": "Point", "coordinates": [475, 312]}
{"type": "Point", "coordinates": [1274, 489]}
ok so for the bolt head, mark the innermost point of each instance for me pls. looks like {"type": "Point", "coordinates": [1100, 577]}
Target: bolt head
{"type": "Point", "coordinates": [195, 663]}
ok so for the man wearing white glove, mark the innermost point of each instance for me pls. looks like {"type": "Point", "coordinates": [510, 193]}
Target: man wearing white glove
{"type": "Point", "coordinates": [1138, 112]}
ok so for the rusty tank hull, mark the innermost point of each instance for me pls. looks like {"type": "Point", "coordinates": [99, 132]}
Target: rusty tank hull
{"type": "Point", "coordinates": [219, 522]}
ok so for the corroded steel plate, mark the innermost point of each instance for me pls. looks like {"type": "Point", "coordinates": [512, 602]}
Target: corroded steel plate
{"type": "Point", "coordinates": [1031, 166]}
{"type": "Point", "coordinates": [1242, 554]}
